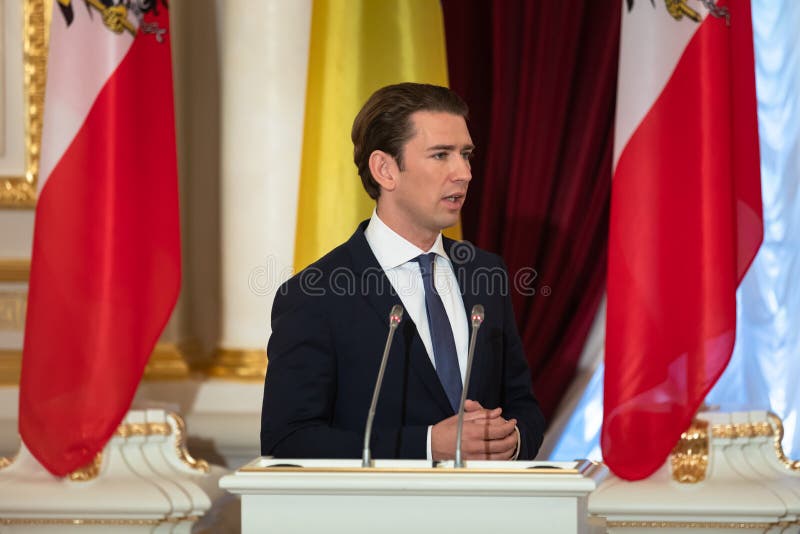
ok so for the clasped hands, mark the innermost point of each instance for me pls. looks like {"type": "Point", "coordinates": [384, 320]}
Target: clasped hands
{"type": "Point", "coordinates": [486, 435]}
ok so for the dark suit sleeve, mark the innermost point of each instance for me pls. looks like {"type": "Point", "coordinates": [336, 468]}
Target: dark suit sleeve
{"type": "Point", "coordinates": [519, 401]}
{"type": "Point", "coordinates": [300, 390]}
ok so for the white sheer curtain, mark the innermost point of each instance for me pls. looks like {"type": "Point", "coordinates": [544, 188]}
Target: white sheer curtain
{"type": "Point", "coordinates": [765, 367]}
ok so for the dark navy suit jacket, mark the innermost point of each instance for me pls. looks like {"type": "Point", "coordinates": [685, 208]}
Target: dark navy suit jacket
{"type": "Point", "coordinates": [329, 328]}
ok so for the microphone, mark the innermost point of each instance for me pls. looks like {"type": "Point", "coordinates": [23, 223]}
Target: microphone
{"type": "Point", "coordinates": [476, 319]}
{"type": "Point", "coordinates": [395, 316]}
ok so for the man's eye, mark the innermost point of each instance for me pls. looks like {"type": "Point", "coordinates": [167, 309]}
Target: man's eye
{"type": "Point", "coordinates": [440, 155]}
{"type": "Point", "coordinates": [466, 155]}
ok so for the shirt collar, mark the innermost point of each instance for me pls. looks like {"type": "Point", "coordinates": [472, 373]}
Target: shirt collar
{"type": "Point", "coordinates": [391, 249]}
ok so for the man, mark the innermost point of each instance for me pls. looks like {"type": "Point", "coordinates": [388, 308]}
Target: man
{"type": "Point", "coordinates": [329, 323]}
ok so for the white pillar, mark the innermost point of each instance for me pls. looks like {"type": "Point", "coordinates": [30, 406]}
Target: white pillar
{"type": "Point", "coordinates": [264, 58]}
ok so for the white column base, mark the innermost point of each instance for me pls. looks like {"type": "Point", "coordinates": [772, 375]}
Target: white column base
{"type": "Point", "coordinates": [223, 416]}
{"type": "Point", "coordinates": [747, 486]}
{"type": "Point", "coordinates": [144, 481]}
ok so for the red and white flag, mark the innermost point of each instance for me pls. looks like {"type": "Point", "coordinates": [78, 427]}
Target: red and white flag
{"type": "Point", "coordinates": [685, 219]}
{"type": "Point", "coordinates": [105, 267]}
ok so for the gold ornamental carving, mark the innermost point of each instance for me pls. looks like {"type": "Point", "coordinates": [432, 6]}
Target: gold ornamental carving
{"type": "Point", "coordinates": [689, 458]}
{"type": "Point", "coordinates": [775, 421]}
{"type": "Point", "coordinates": [126, 430]}
{"type": "Point", "coordinates": [159, 429]}
{"type": "Point", "coordinates": [89, 471]}
{"type": "Point", "coordinates": [180, 445]}
{"type": "Point", "coordinates": [245, 365]}
{"type": "Point", "coordinates": [20, 191]}
{"type": "Point", "coordinates": [742, 430]}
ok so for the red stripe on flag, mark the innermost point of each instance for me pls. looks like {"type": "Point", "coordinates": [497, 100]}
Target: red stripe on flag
{"type": "Point", "coordinates": [685, 225]}
{"type": "Point", "coordinates": [105, 269]}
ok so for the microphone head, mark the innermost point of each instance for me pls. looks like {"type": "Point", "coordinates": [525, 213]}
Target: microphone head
{"type": "Point", "coordinates": [396, 315]}
{"type": "Point", "coordinates": [477, 315]}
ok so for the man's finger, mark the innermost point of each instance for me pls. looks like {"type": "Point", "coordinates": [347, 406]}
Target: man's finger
{"type": "Point", "coordinates": [484, 450]}
{"type": "Point", "coordinates": [483, 430]}
{"type": "Point", "coordinates": [471, 406]}
{"type": "Point", "coordinates": [483, 413]}
{"type": "Point", "coordinates": [497, 430]}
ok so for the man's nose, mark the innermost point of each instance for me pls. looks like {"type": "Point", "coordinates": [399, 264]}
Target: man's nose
{"type": "Point", "coordinates": [463, 173]}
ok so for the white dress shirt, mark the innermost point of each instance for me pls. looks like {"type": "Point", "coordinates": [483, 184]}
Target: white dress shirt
{"type": "Point", "coordinates": [396, 257]}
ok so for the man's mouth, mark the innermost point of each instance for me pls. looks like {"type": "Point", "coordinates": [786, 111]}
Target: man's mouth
{"type": "Point", "coordinates": [454, 198]}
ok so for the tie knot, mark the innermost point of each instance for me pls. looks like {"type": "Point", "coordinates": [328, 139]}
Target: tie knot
{"type": "Point", "coordinates": [426, 262]}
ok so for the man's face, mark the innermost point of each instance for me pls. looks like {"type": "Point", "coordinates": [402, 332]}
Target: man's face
{"type": "Point", "coordinates": [432, 186]}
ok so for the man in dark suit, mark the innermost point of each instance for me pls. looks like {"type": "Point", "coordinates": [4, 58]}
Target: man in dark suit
{"type": "Point", "coordinates": [329, 322]}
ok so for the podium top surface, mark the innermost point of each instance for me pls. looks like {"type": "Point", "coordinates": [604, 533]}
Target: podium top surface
{"type": "Point", "coordinates": [284, 476]}
{"type": "Point", "coordinates": [267, 464]}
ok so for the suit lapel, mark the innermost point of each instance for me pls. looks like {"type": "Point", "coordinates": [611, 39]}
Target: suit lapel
{"type": "Point", "coordinates": [378, 291]}
{"type": "Point", "coordinates": [373, 284]}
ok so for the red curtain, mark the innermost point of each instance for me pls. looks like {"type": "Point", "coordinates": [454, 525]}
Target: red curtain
{"type": "Point", "coordinates": [540, 79]}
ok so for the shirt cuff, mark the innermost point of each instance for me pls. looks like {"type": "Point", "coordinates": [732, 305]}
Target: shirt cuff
{"type": "Point", "coordinates": [429, 454]}
{"type": "Point", "coordinates": [519, 441]}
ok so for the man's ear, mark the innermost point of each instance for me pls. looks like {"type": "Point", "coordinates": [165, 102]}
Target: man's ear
{"type": "Point", "coordinates": [384, 169]}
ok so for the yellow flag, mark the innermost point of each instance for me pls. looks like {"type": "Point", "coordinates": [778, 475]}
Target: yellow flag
{"type": "Point", "coordinates": [357, 46]}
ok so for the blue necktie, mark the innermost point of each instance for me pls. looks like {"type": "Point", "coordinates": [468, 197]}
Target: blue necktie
{"type": "Point", "coordinates": [444, 344]}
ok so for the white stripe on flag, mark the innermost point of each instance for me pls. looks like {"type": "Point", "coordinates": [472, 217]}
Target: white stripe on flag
{"type": "Point", "coordinates": [651, 43]}
{"type": "Point", "coordinates": [79, 78]}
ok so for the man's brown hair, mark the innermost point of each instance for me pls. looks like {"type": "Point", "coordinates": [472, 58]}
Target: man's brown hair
{"type": "Point", "coordinates": [384, 123]}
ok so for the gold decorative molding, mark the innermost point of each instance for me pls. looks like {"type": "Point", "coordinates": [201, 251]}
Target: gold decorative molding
{"type": "Point", "coordinates": [776, 422]}
{"type": "Point", "coordinates": [89, 471]}
{"type": "Point", "coordinates": [689, 458]}
{"type": "Point", "coordinates": [733, 525]}
{"type": "Point", "coordinates": [15, 270]}
{"type": "Point", "coordinates": [180, 445]}
{"type": "Point", "coordinates": [12, 310]}
{"type": "Point", "coordinates": [168, 362]}
{"type": "Point", "coordinates": [248, 365]}
{"type": "Point", "coordinates": [742, 430]}
{"type": "Point", "coordinates": [20, 191]}
{"type": "Point", "coordinates": [126, 430]}
{"type": "Point", "coordinates": [10, 367]}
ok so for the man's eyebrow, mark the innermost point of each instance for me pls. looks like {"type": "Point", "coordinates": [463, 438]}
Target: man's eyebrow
{"type": "Point", "coordinates": [449, 147]}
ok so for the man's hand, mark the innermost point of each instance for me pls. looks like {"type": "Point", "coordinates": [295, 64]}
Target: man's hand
{"type": "Point", "coordinates": [486, 435]}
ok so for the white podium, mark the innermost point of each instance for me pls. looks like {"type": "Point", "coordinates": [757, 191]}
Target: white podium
{"type": "Point", "coordinates": [401, 496]}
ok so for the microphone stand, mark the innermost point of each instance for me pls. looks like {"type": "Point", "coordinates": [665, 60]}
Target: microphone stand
{"type": "Point", "coordinates": [395, 316]}
{"type": "Point", "coordinates": [477, 317]}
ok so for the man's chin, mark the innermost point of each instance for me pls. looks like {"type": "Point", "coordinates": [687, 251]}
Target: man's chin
{"type": "Point", "coordinates": [449, 222]}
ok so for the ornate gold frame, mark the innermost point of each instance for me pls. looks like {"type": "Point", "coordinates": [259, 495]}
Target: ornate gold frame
{"type": "Point", "coordinates": [20, 191]}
